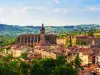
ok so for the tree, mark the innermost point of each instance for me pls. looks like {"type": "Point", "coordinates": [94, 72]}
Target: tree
{"type": "Point", "coordinates": [64, 70]}
{"type": "Point", "coordinates": [37, 69]}
{"type": "Point", "coordinates": [48, 65]}
{"type": "Point", "coordinates": [10, 68]}
{"type": "Point", "coordinates": [90, 33]}
{"type": "Point", "coordinates": [77, 61]}
{"type": "Point", "coordinates": [24, 55]}
{"type": "Point", "coordinates": [60, 60]}
{"type": "Point", "coordinates": [24, 68]}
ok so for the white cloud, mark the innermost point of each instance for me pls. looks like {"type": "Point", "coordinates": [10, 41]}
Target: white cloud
{"type": "Point", "coordinates": [26, 8]}
{"type": "Point", "coordinates": [1, 10]}
{"type": "Point", "coordinates": [30, 14]}
{"type": "Point", "coordinates": [57, 1]}
{"type": "Point", "coordinates": [94, 9]}
{"type": "Point", "coordinates": [40, 8]}
{"type": "Point", "coordinates": [33, 8]}
{"type": "Point", "coordinates": [54, 1]}
{"type": "Point", "coordinates": [61, 10]}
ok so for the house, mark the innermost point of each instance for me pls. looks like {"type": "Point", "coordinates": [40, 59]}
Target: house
{"type": "Point", "coordinates": [50, 51]}
{"type": "Point", "coordinates": [61, 41]}
{"type": "Point", "coordinates": [84, 54]}
{"type": "Point", "coordinates": [84, 58]}
{"type": "Point", "coordinates": [97, 58]}
{"type": "Point", "coordinates": [47, 54]}
{"type": "Point", "coordinates": [18, 50]}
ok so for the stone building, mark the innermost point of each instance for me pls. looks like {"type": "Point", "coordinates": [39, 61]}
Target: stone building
{"type": "Point", "coordinates": [87, 40]}
{"type": "Point", "coordinates": [31, 39]}
{"type": "Point", "coordinates": [60, 41]}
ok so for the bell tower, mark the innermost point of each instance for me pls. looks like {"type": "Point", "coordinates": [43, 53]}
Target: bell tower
{"type": "Point", "coordinates": [42, 33]}
{"type": "Point", "coordinates": [42, 30]}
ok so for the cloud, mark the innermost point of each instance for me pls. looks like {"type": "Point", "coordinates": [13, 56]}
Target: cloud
{"type": "Point", "coordinates": [54, 1]}
{"type": "Point", "coordinates": [25, 8]}
{"type": "Point", "coordinates": [39, 9]}
{"type": "Point", "coordinates": [94, 9]}
{"type": "Point", "coordinates": [60, 10]}
{"type": "Point", "coordinates": [57, 1]}
{"type": "Point", "coordinates": [1, 9]}
{"type": "Point", "coordinates": [33, 8]}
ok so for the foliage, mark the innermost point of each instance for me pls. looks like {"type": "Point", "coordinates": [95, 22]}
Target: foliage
{"type": "Point", "coordinates": [6, 40]}
{"type": "Point", "coordinates": [60, 60]}
{"type": "Point", "coordinates": [24, 55]}
{"type": "Point", "coordinates": [64, 70]}
{"type": "Point", "coordinates": [15, 30]}
{"type": "Point", "coordinates": [90, 33]}
{"type": "Point", "coordinates": [24, 68]}
{"type": "Point", "coordinates": [48, 66]}
{"type": "Point", "coordinates": [37, 69]}
{"type": "Point", "coordinates": [77, 61]}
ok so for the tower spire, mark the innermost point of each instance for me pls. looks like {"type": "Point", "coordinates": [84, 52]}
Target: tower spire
{"type": "Point", "coordinates": [42, 30]}
{"type": "Point", "coordinates": [42, 25]}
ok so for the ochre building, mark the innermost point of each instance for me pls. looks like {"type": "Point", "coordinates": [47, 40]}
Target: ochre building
{"type": "Point", "coordinates": [31, 39]}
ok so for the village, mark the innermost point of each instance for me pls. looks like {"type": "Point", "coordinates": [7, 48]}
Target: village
{"type": "Point", "coordinates": [41, 46]}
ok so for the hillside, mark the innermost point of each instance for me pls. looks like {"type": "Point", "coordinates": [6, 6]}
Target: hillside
{"type": "Point", "coordinates": [15, 30]}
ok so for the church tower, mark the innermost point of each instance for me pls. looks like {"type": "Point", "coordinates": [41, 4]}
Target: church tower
{"type": "Point", "coordinates": [42, 30]}
{"type": "Point", "coordinates": [42, 34]}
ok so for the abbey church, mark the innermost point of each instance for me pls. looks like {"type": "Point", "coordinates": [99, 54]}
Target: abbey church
{"type": "Point", "coordinates": [30, 39]}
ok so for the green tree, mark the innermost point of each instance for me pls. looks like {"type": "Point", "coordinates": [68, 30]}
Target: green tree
{"type": "Point", "coordinates": [90, 33]}
{"type": "Point", "coordinates": [48, 64]}
{"type": "Point", "coordinates": [24, 55]}
{"type": "Point", "coordinates": [37, 69]}
{"type": "Point", "coordinates": [64, 70]}
{"type": "Point", "coordinates": [60, 60]}
{"type": "Point", "coordinates": [77, 61]}
{"type": "Point", "coordinates": [10, 68]}
{"type": "Point", "coordinates": [24, 68]}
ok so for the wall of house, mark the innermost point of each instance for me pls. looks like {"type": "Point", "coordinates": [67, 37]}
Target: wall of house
{"type": "Point", "coordinates": [97, 59]}
{"type": "Point", "coordinates": [19, 51]}
{"type": "Point", "coordinates": [61, 41]}
{"type": "Point", "coordinates": [84, 59]}
{"type": "Point", "coordinates": [45, 54]}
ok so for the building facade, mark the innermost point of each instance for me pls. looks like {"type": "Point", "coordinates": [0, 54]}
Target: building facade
{"type": "Point", "coordinates": [60, 41]}
{"type": "Point", "coordinates": [31, 39]}
{"type": "Point", "coordinates": [17, 51]}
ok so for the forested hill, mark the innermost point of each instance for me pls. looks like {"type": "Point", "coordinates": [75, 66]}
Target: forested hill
{"type": "Point", "coordinates": [15, 30]}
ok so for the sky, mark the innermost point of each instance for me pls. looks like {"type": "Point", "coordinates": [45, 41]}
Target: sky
{"type": "Point", "coordinates": [49, 12]}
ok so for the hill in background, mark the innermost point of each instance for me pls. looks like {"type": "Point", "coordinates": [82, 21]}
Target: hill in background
{"type": "Point", "coordinates": [15, 30]}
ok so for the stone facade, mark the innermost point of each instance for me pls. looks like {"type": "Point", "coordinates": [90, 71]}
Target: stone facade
{"type": "Point", "coordinates": [31, 39]}
{"type": "Point", "coordinates": [86, 40]}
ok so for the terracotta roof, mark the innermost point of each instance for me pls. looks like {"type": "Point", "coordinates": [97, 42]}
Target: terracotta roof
{"type": "Point", "coordinates": [83, 72]}
{"type": "Point", "coordinates": [93, 65]}
{"type": "Point", "coordinates": [86, 51]}
{"type": "Point", "coordinates": [90, 69]}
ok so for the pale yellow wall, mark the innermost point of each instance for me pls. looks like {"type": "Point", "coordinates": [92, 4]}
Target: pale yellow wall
{"type": "Point", "coordinates": [84, 59]}
{"type": "Point", "coordinates": [45, 54]}
{"type": "Point", "coordinates": [18, 52]}
{"type": "Point", "coordinates": [61, 41]}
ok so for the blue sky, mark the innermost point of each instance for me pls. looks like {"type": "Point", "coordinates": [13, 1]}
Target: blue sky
{"type": "Point", "coordinates": [50, 12]}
